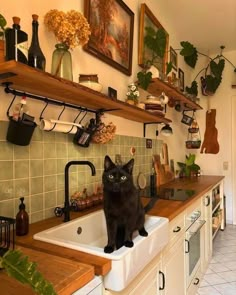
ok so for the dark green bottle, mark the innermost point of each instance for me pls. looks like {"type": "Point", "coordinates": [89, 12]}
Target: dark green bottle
{"type": "Point", "coordinates": [36, 58]}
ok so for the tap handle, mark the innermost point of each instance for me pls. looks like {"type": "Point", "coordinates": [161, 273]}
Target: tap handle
{"type": "Point", "coordinates": [58, 211]}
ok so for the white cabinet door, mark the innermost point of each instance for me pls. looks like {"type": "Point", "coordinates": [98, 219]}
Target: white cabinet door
{"type": "Point", "coordinates": [206, 234]}
{"type": "Point", "coordinates": [174, 269]}
{"type": "Point", "coordinates": [146, 283]}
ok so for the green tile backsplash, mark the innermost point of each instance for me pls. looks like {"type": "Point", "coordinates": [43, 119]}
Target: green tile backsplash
{"type": "Point", "coordinates": [37, 171]}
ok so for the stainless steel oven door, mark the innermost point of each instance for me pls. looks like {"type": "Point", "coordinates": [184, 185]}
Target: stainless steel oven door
{"type": "Point", "coordinates": [193, 249]}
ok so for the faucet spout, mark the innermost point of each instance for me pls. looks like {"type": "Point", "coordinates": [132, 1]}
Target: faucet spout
{"type": "Point", "coordinates": [67, 202]}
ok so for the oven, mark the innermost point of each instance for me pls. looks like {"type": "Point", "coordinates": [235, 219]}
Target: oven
{"type": "Point", "coordinates": [194, 224]}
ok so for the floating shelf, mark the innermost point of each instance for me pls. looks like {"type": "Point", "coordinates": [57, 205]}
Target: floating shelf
{"type": "Point", "coordinates": [34, 81]}
{"type": "Point", "coordinates": [157, 86]}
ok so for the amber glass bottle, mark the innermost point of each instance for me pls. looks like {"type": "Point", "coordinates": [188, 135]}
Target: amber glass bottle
{"type": "Point", "coordinates": [22, 220]}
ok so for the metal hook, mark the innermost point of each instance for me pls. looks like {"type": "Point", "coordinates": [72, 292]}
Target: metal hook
{"type": "Point", "coordinates": [83, 116]}
{"type": "Point", "coordinates": [41, 115]}
{"type": "Point", "coordinates": [58, 118]}
{"type": "Point", "coordinates": [73, 122]}
{"type": "Point", "coordinates": [8, 110]}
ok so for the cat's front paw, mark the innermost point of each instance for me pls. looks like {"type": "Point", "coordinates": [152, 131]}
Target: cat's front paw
{"type": "Point", "coordinates": [128, 244]}
{"type": "Point", "coordinates": [143, 232]}
{"type": "Point", "coordinates": [108, 249]}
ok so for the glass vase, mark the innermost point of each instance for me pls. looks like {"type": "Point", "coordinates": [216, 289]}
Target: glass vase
{"type": "Point", "coordinates": [61, 62]}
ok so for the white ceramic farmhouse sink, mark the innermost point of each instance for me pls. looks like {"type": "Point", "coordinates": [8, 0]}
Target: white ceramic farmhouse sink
{"type": "Point", "coordinates": [88, 234]}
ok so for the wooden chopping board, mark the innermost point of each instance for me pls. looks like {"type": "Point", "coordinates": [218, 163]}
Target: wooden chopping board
{"type": "Point", "coordinates": [163, 171]}
{"type": "Point", "coordinates": [66, 275]}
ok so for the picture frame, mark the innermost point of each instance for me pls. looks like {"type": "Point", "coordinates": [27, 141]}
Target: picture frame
{"type": "Point", "coordinates": [147, 19]}
{"type": "Point", "coordinates": [111, 39]}
{"type": "Point", "coordinates": [173, 58]}
{"type": "Point", "coordinates": [112, 93]}
{"type": "Point", "coordinates": [148, 143]}
{"type": "Point", "coordinates": [181, 79]}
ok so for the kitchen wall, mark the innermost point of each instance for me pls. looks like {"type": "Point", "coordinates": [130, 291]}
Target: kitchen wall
{"type": "Point", "coordinates": [37, 171]}
{"type": "Point", "coordinates": [108, 76]}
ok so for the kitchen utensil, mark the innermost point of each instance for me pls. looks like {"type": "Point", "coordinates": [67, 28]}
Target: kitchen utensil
{"type": "Point", "coordinates": [169, 173]}
{"type": "Point", "coordinates": [162, 168]}
{"type": "Point", "coordinates": [142, 181]}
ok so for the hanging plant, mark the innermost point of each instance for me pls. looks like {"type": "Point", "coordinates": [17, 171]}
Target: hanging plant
{"type": "Point", "coordinates": [212, 78]}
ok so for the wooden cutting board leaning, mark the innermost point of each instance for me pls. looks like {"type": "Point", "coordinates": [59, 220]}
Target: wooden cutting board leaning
{"type": "Point", "coordinates": [162, 166]}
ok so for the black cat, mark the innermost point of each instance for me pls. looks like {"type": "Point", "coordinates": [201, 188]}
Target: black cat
{"type": "Point", "coordinates": [122, 205]}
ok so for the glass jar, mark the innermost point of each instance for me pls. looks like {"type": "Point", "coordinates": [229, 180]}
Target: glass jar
{"type": "Point", "coordinates": [61, 62]}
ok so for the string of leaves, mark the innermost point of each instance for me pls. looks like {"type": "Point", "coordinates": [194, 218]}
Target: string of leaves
{"type": "Point", "coordinates": [19, 267]}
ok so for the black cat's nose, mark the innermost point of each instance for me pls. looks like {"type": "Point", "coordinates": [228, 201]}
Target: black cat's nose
{"type": "Point", "coordinates": [116, 187]}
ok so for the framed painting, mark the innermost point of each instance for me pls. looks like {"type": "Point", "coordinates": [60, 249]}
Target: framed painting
{"type": "Point", "coordinates": [148, 19]}
{"type": "Point", "coordinates": [173, 58]}
{"type": "Point", "coordinates": [181, 80]}
{"type": "Point", "coordinates": [112, 26]}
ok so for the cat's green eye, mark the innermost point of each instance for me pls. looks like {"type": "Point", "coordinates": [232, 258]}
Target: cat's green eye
{"type": "Point", "coordinates": [110, 176]}
{"type": "Point", "coordinates": [123, 177]}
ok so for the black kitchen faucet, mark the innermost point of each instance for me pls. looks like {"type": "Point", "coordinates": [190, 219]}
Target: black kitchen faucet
{"type": "Point", "coordinates": [67, 202]}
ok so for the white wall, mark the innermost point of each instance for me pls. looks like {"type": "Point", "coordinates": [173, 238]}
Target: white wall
{"type": "Point", "coordinates": [108, 76]}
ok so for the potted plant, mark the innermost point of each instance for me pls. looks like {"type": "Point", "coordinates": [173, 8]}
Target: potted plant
{"type": "Point", "coordinates": [132, 94]}
{"type": "Point", "coordinates": [189, 167]}
{"type": "Point", "coordinates": [156, 42]}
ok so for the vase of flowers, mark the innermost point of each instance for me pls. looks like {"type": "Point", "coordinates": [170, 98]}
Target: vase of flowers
{"type": "Point", "coordinates": [132, 94]}
{"type": "Point", "coordinates": [71, 30]}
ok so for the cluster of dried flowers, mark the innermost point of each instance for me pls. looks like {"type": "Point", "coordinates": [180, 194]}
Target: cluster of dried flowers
{"type": "Point", "coordinates": [70, 28]}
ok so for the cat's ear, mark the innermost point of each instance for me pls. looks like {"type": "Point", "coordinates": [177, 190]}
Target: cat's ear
{"type": "Point", "coordinates": [108, 164]}
{"type": "Point", "coordinates": [129, 166]}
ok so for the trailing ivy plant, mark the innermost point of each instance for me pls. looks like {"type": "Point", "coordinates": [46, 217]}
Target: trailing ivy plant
{"type": "Point", "coordinates": [19, 267]}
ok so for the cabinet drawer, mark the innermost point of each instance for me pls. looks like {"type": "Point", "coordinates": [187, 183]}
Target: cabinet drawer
{"type": "Point", "coordinates": [176, 229]}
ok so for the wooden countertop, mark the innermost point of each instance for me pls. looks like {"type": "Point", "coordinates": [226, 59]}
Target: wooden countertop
{"type": "Point", "coordinates": [170, 209]}
{"type": "Point", "coordinates": [66, 275]}
{"type": "Point", "coordinates": [101, 266]}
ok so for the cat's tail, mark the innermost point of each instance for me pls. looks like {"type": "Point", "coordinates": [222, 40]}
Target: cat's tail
{"type": "Point", "coordinates": [150, 204]}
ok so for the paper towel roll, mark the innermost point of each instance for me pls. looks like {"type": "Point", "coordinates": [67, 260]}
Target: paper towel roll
{"type": "Point", "coordinates": [61, 126]}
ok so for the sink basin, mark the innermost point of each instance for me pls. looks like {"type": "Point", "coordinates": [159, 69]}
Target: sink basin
{"type": "Point", "coordinates": [89, 234]}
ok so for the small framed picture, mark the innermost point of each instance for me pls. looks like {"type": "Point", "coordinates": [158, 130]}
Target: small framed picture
{"type": "Point", "coordinates": [112, 93]}
{"type": "Point", "coordinates": [181, 80]}
{"type": "Point", "coordinates": [148, 143]}
{"type": "Point", "coordinates": [173, 58]}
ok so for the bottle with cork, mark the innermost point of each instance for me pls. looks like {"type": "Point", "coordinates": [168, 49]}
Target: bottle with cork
{"type": "Point", "coordinates": [36, 58]}
{"type": "Point", "coordinates": [22, 220]}
{"type": "Point", "coordinates": [16, 42]}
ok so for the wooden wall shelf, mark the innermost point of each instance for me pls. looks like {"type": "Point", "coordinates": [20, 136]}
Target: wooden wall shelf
{"type": "Point", "coordinates": [157, 86]}
{"type": "Point", "coordinates": [33, 81]}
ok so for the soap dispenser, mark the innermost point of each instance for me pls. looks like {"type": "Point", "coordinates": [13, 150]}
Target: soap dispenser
{"type": "Point", "coordinates": [22, 220]}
